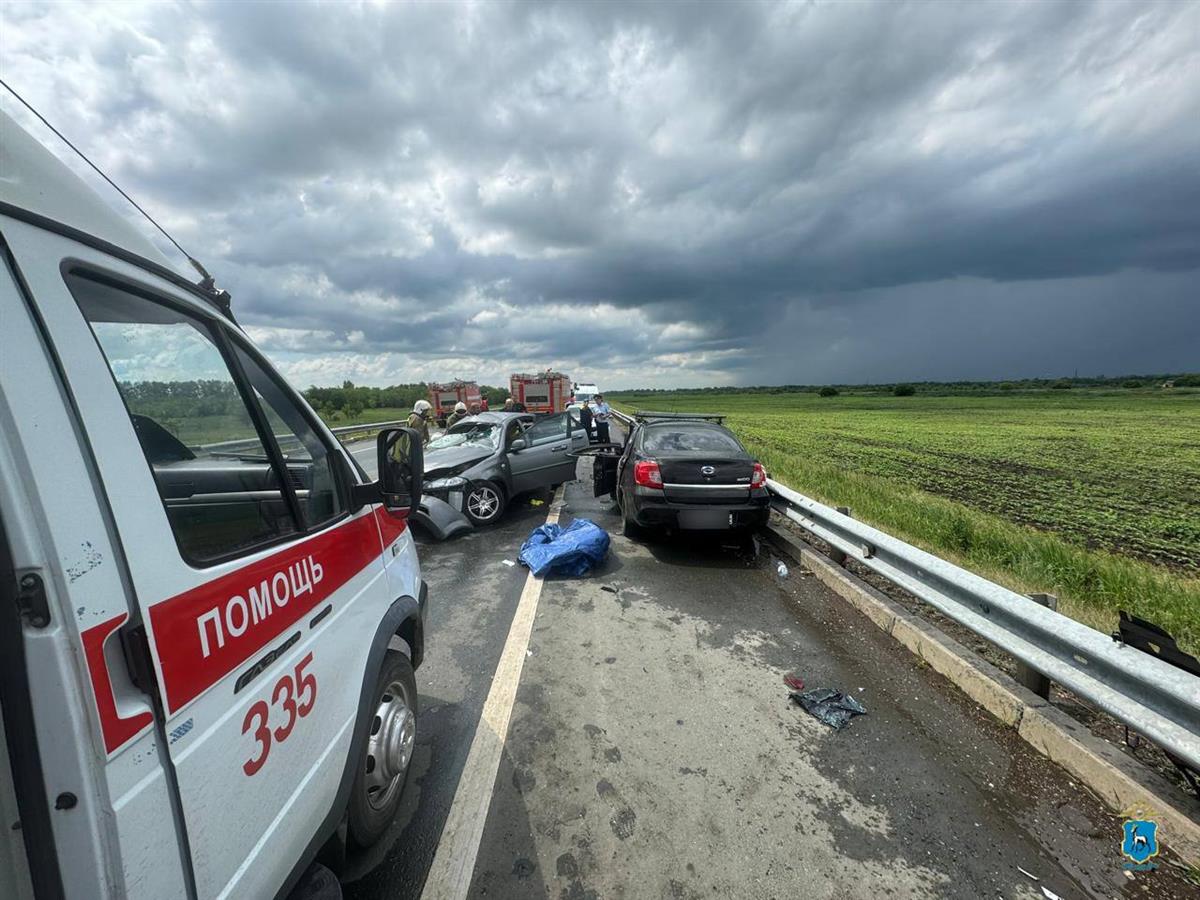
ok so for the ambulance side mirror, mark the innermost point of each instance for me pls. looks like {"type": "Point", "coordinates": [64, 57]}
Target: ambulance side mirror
{"type": "Point", "coordinates": [401, 467]}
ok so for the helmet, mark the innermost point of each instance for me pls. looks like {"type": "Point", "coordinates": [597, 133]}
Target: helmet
{"type": "Point", "coordinates": [421, 407]}
{"type": "Point", "coordinates": [460, 406]}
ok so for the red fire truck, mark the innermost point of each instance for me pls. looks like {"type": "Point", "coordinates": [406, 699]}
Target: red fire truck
{"type": "Point", "coordinates": [545, 392]}
{"type": "Point", "coordinates": [443, 397]}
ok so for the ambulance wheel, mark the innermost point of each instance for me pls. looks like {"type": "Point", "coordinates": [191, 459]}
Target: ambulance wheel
{"type": "Point", "coordinates": [484, 502]}
{"type": "Point", "coordinates": [391, 736]}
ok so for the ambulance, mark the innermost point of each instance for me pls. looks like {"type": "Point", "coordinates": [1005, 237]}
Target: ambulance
{"type": "Point", "coordinates": [211, 615]}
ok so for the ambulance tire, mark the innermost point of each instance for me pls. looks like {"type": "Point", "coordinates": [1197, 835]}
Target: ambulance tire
{"type": "Point", "coordinates": [387, 753]}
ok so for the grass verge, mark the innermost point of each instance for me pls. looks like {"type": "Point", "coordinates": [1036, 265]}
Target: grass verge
{"type": "Point", "coordinates": [1091, 585]}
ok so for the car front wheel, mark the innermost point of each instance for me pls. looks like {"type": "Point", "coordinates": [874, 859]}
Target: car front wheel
{"type": "Point", "coordinates": [484, 503]}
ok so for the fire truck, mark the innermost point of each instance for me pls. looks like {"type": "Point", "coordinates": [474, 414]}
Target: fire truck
{"type": "Point", "coordinates": [544, 392]}
{"type": "Point", "coordinates": [443, 397]}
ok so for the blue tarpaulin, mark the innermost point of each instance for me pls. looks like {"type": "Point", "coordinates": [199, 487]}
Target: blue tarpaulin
{"type": "Point", "coordinates": [573, 550]}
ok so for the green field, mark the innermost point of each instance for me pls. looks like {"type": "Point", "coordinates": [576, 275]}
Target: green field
{"type": "Point", "coordinates": [1090, 494]}
{"type": "Point", "coordinates": [367, 416]}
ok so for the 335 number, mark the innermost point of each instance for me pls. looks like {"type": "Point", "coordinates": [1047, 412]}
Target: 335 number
{"type": "Point", "coordinates": [297, 686]}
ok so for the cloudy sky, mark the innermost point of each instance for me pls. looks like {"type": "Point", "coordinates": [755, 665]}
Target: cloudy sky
{"type": "Point", "coordinates": [679, 194]}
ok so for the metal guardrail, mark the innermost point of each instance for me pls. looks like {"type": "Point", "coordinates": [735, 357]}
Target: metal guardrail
{"type": "Point", "coordinates": [1155, 698]}
{"type": "Point", "coordinates": [368, 426]}
{"type": "Point", "coordinates": [339, 431]}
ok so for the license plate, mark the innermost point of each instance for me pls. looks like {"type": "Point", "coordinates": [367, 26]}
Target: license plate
{"type": "Point", "coordinates": [703, 518]}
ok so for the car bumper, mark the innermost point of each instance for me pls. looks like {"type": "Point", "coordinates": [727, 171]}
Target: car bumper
{"type": "Point", "coordinates": [651, 509]}
{"type": "Point", "coordinates": [452, 494]}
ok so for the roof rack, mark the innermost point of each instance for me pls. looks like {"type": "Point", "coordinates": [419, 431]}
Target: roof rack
{"type": "Point", "coordinates": [644, 415]}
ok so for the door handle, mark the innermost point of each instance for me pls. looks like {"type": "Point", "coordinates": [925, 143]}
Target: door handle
{"type": "Point", "coordinates": [559, 447]}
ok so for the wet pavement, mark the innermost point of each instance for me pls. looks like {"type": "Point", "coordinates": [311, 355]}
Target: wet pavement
{"type": "Point", "coordinates": [654, 751]}
{"type": "Point", "coordinates": [472, 595]}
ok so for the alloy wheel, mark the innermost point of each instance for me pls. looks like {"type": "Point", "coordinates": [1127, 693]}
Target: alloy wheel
{"type": "Point", "coordinates": [483, 503]}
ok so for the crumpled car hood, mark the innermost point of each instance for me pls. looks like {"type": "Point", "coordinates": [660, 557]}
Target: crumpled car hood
{"type": "Point", "coordinates": [440, 462]}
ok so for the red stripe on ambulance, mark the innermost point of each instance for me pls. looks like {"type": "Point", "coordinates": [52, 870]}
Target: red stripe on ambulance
{"type": "Point", "coordinates": [203, 634]}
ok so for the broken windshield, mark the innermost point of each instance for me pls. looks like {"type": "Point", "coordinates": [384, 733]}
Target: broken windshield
{"type": "Point", "coordinates": [469, 434]}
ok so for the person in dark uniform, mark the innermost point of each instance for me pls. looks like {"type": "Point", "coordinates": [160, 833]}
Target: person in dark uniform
{"type": "Point", "coordinates": [585, 419]}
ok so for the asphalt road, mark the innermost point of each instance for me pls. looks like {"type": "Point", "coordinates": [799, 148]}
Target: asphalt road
{"type": "Point", "coordinates": [653, 750]}
{"type": "Point", "coordinates": [472, 598]}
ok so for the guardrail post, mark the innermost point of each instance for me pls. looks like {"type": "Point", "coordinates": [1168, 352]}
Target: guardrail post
{"type": "Point", "coordinates": [1031, 678]}
{"type": "Point", "coordinates": [834, 553]}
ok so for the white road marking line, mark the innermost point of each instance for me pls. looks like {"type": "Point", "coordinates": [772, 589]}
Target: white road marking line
{"type": "Point", "coordinates": [453, 866]}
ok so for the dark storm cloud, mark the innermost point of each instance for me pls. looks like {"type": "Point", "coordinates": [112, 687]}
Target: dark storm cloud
{"type": "Point", "coordinates": [679, 193]}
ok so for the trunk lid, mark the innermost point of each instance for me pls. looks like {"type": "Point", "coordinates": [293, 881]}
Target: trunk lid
{"type": "Point", "coordinates": [706, 478]}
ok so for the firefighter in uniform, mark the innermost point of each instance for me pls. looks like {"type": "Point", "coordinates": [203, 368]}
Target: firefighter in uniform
{"type": "Point", "coordinates": [460, 413]}
{"type": "Point", "coordinates": [419, 419]}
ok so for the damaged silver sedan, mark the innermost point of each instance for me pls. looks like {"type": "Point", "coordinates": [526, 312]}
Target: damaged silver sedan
{"type": "Point", "coordinates": [482, 462]}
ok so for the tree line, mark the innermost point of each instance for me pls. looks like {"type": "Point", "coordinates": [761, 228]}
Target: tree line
{"type": "Point", "coordinates": [351, 400]}
{"type": "Point", "coordinates": [169, 401]}
{"type": "Point", "coordinates": [904, 389]}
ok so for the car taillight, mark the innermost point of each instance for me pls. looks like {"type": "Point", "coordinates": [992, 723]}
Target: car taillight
{"type": "Point", "coordinates": [759, 478]}
{"type": "Point", "coordinates": [647, 473]}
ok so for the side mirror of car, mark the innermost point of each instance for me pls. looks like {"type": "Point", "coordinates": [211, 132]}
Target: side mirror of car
{"type": "Point", "coordinates": [401, 461]}
{"type": "Point", "coordinates": [517, 445]}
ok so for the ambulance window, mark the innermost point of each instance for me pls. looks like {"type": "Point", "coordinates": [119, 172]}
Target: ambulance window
{"type": "Point", "coordinates": [217, 482]}
{"type": "Point", "coordinates": [305, 455]}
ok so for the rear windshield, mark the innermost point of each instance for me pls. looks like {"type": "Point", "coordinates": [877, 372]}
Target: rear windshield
{"type": "Point", "coordinates": [687, 438]}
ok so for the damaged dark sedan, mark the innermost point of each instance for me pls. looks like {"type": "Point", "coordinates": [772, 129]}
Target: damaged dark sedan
{"type": "Point", "coordinates": [683, 471]}
{"type": "Point", "coordinates": [481, 463]}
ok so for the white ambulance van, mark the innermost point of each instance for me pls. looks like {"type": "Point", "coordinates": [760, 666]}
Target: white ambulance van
{"type": "Point", "coordinates": [209, 618]}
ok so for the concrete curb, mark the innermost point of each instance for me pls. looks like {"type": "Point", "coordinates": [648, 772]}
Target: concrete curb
{"type": "Point", "coordinates": [1118, 780]}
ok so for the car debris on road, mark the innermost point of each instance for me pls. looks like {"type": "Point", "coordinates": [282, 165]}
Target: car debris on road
{"type": "Point", "coordinates": [832, 707]}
